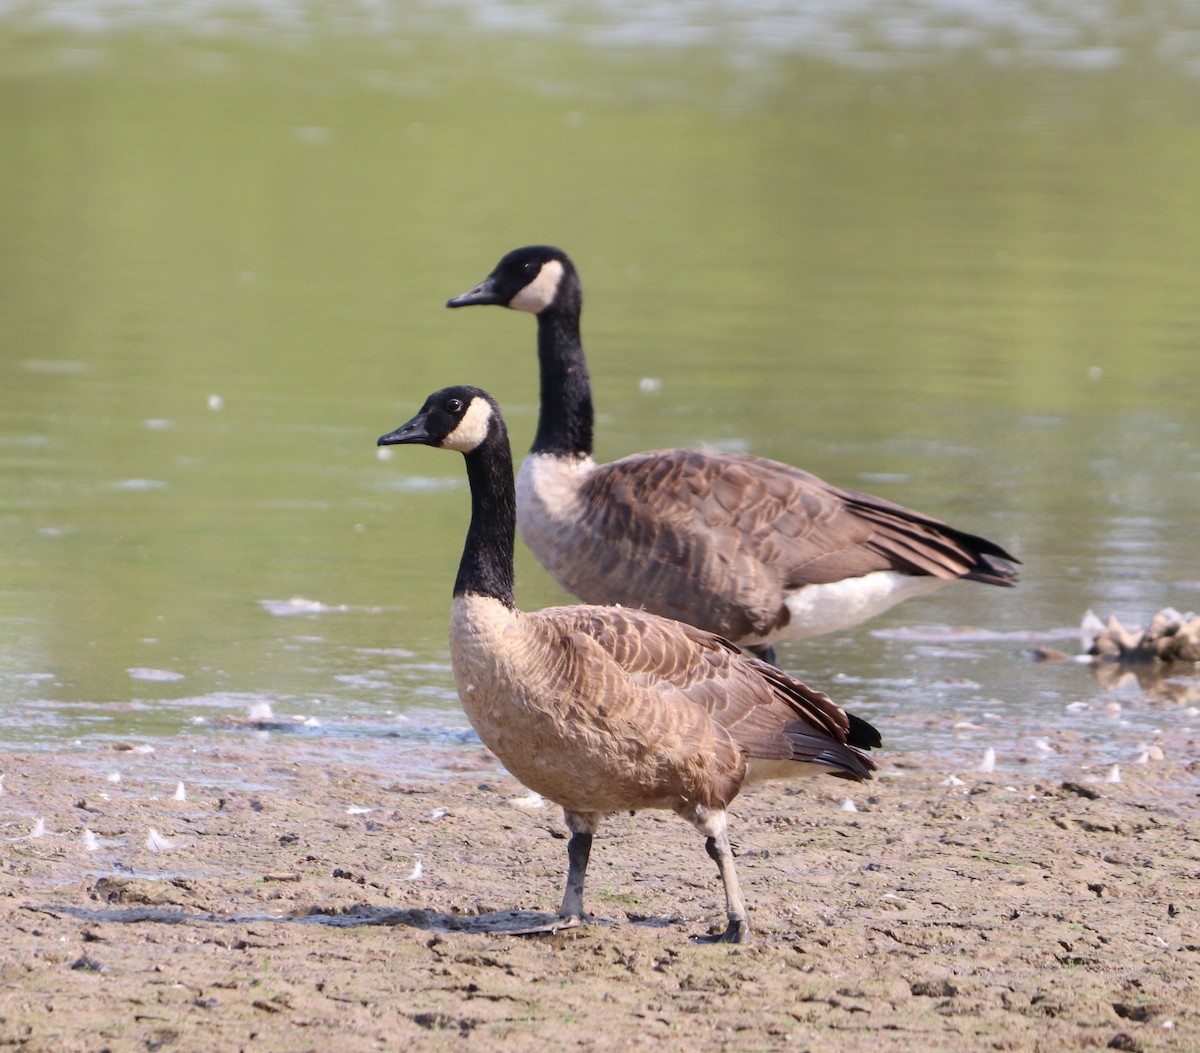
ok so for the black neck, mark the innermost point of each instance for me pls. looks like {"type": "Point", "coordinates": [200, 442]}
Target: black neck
{"type": "Point", "coordinates": [486, 568]}
{"type": "Point", "coordinates": [565, 420]}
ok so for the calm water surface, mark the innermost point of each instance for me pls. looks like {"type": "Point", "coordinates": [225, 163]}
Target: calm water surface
{"type": "Point", "coordinates": [947, 253]}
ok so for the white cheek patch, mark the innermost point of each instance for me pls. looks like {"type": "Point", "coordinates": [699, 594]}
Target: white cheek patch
{"type": "Point", "coordinates": [472, 429]}
{"type": "Point", "coordinates": [539, 293]}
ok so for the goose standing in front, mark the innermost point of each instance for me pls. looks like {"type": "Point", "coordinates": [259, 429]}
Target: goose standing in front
{"type": "Point", "coordinates": [752, 549]}
{"type": "Point", "coordinates": [603, 709]}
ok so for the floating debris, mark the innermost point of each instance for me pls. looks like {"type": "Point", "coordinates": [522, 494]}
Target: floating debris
{"type": "Point", "coordinates": [54, 366]}
{"type": "Point", "coordinates": [1171, 637]}
{"type": "Point", "coordinates": [953, 780]}
{"type": "Point", "coordinates": [1, 785]}
{"type": "Point", "coordinates": [1114, 774]}
{"type": "Point", "coordinates": [91, 843]}
{"type": "Point", "coordinates": [1043, 746]}
{"type": "Point", "coordinates": [311, 135]}
{"type": "Point", "coordinates": [261, 717]}
{"type": "Point", "coordinates": [1116, 651]}
{"type": "Point", "coordinates": [297, 605]}
{"type": "Point", "coordinates": [216, 403]}
{"type": "Point", "coordinates": [155, 842]}
{"type": "Point", "coordinates": [113, 776]}
{"type": "Point", "coordinates": [139, 484]}
{"type": "Point", "coordinates": [39, 829]}
{"type": "Point", "coordinates": [988, 764]}
{"type": "Point", "coordinates": [416, 872]}
{"type": "Point", "coordinates": [180, 793]}
{"type": "Point", "coordinates": [164, 675]}
{"type": "Point", "coordinates": [358, 809]}
{"type": "Point", "coordinates": [649, 385]}
{"type": "Point", "coordinates": [848, 805]}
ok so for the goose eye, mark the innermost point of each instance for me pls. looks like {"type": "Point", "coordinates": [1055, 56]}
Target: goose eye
{"type": "Point", "coordinates": [454, 405]}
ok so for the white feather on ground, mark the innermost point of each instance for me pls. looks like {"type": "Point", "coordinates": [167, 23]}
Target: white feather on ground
{"type": "Point", "coordinates": [155, 842]}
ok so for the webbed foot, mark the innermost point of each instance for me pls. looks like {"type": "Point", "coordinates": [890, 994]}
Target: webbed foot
{"type": "Point", "coordinates": [559, 924]}
{"type": "Point", "coordinates": [738, 931]}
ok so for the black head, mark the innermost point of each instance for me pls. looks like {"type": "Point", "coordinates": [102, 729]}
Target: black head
{"type": "Point", "coordinates": [458, 418]}
{"type": "Point", "coordinates": [529, 279]}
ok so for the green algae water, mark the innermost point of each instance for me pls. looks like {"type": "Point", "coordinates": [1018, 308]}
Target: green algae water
{"type": "Point", "coordinates": [942, 254]}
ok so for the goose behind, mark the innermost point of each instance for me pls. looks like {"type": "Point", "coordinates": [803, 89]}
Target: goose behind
{"type": "Point", "coordinates": [749, 548]}
{"type": "Point", "coordinates": [604, 709]}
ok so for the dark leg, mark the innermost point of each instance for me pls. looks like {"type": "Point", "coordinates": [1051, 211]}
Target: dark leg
{"type": "Point", "coordinates": [739, 926]}
{"type": "Point", "coordinates": [579, 848]}
{"type": "Point", "coordinates": [765, 653]}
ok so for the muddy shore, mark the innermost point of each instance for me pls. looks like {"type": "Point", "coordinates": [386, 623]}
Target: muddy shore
{"type": "Point", "coordinates": [300, 899]}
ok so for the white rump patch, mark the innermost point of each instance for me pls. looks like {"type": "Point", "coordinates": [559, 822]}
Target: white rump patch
{"type": "Point", "coordinates": [472, 429]}
{"type": "Point", "coordinates": [819, 609]}
{"type": "Point", "coordinates": [539, 293]}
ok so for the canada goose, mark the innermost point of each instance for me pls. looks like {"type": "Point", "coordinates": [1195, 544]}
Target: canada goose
{"type": "Point", "coordinates": [752, 549]}
{"type": "Point", "coordinates": [605, 709]}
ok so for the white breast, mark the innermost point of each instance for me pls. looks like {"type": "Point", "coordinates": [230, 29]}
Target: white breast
{"type": "Point", "coordinates": [477, 648]}
{"type": "Point", "coordinates": [492, 689]}
{"type": "Point", "coordinates": [549, 506]}
{"type": "Point", "coordinates": [513, 694]}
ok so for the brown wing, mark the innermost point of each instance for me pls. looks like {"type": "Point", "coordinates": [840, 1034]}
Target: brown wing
{"type": "Point", "coordinates": [672, 673]}
{"type": "Point", "coordinates": [728, 535]}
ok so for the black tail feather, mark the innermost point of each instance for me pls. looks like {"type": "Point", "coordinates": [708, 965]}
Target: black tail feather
{"type": "Point", "coordinates": [863, 735]}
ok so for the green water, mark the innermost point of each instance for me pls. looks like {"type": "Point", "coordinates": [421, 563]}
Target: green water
{"type": "Point", "coordinates": [962, 277]}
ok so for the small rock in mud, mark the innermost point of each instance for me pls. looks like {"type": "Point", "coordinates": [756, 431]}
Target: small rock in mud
{"type": "Point", "coordinates": [1137, 1013]}
{"type": "Point", "coordinates": [933, 989]}
{"type": "Point", "coordinates": [84, 964]}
